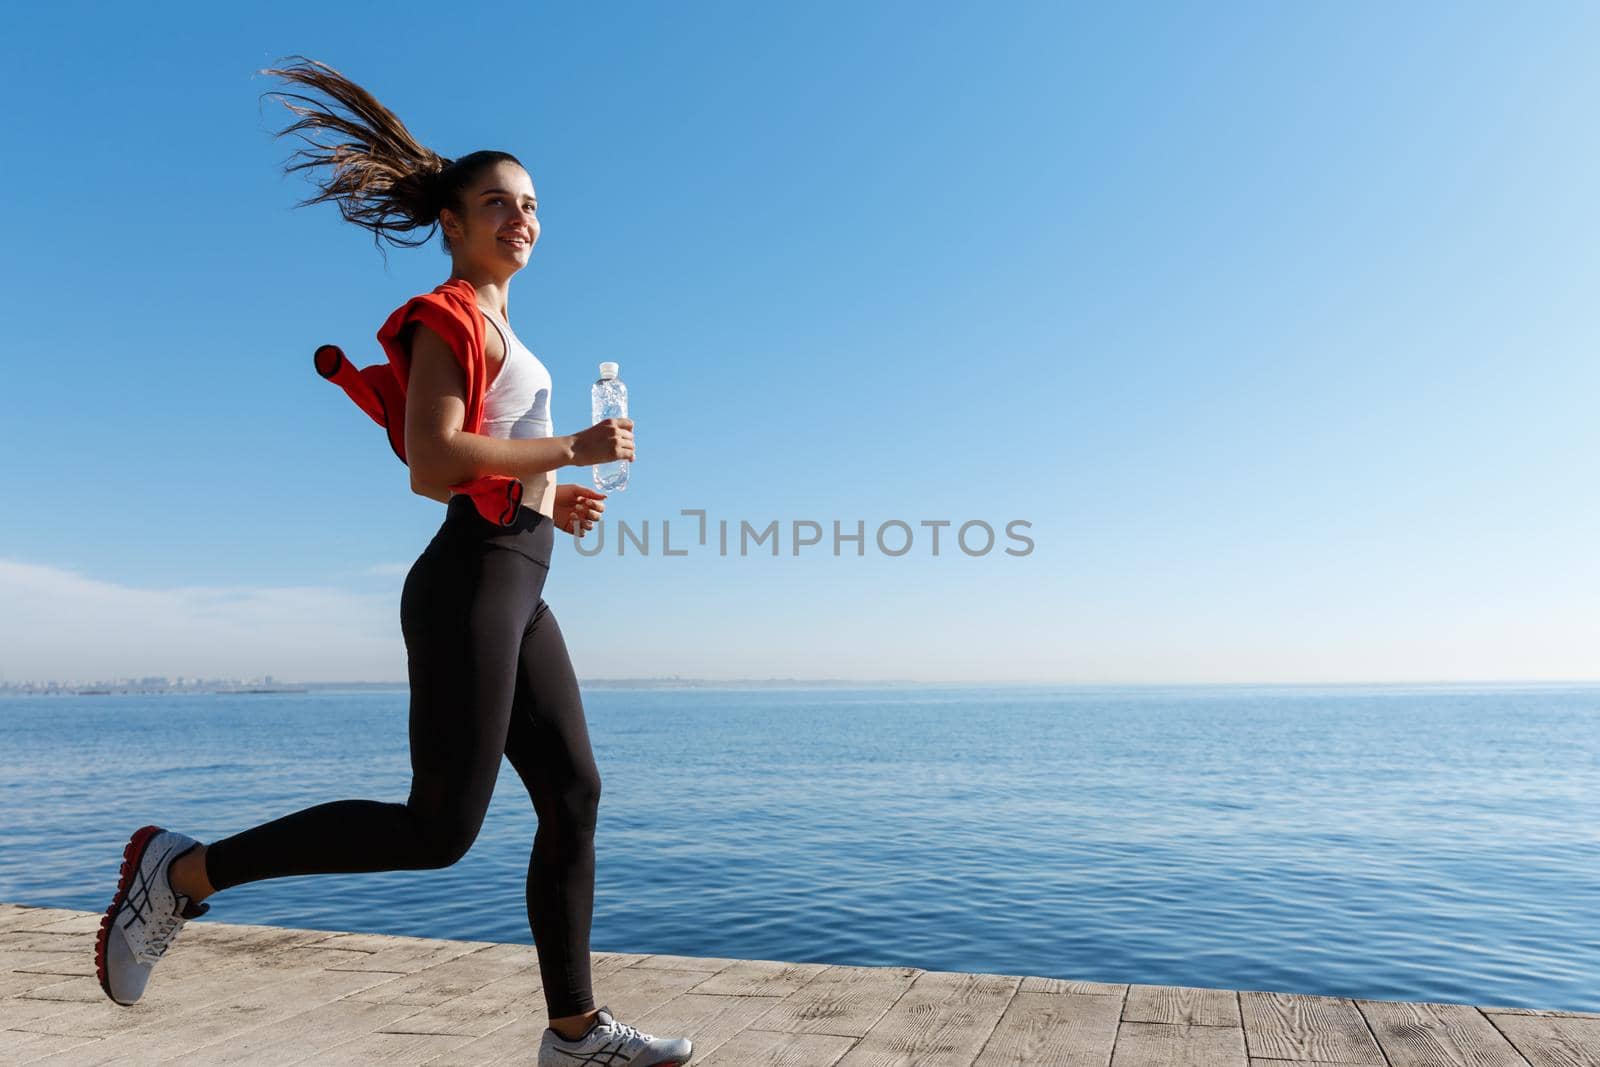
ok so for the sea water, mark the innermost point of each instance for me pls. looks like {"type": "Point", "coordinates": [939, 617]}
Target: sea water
{"type": "Point", "coordinates": [1415, 843]}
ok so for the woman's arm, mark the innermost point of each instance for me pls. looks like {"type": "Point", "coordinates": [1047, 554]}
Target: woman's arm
{"type": "Point", "coordinates": [432, 492]}
{"type": "Point", "coordinates": [438, 451]}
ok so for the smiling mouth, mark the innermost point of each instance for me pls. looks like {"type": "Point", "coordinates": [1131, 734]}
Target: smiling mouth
{"type": "Point", "coordinates": [516, 242]}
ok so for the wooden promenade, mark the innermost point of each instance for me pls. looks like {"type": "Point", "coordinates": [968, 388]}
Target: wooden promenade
{"type": "Point", "coordinates": [230, 994]}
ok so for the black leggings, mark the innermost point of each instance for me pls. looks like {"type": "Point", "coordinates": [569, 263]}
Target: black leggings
{"type": "Point", "coordinates": [489, 675]}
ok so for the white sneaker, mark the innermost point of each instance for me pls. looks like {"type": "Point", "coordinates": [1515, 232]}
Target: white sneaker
{"type": "Point", "coordinates": [612, 1044]}
{"type": "Point", "coordinates": [145, 915]}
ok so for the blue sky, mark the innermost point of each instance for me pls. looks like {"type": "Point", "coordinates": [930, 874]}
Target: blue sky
{"type": "Point", "coordinates": [1274, 323]}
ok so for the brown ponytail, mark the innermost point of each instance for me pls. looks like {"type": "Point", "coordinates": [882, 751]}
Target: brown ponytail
{"type": "Point", "coordinates": [382, 178]}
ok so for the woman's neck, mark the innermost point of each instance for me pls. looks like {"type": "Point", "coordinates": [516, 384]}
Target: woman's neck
{"type": "Point", "coordinates": [493, 293]}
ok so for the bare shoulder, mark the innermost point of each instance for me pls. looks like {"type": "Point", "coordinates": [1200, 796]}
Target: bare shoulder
{"type": "Point", "coordinates": [425, 341]}
{"type": "Point", "coordinates": [434, 367]}
{"type": "Point", "coordinates": [436, 404]}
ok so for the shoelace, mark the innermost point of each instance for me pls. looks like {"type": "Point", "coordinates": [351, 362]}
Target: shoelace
{"type": "Point", "coordinates": [617, 1029]}
{"type": "Point", "coordinates": [160, 935]}
{"type": "Point", "coordinates": [627, 1031]}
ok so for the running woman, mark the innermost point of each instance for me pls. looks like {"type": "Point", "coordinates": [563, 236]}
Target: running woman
{"type": "Point", "coordinates": [488, 667]}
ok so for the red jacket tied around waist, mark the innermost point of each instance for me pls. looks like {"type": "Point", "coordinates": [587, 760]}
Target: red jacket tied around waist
{"type": "Point", "coordinates": [452, 312]}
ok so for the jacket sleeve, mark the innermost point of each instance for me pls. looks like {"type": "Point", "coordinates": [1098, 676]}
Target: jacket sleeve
{"type": "Point", "coordinates": [434, 311]}
{"type": "Point", "coordinates": [495, 496]}
{"type": "Point", "coordinates": [373, 389]}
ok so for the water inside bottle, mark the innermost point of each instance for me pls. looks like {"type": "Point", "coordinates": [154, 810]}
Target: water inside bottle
{"type": "Point", "coordinates": [609, 400]}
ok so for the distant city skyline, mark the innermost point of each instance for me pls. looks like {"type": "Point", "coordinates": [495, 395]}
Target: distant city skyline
{"type": "Point", "coordinates": [154, 683]}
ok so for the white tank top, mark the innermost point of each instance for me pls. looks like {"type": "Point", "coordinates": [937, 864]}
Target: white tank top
{"type": "Point", "coordinates": [518, 401]}
{"type": "Point", "coordinates": [517, 405]}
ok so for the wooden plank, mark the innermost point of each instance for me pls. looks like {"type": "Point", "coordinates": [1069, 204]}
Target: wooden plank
{"type": "Point", "coordinates": [368, 943]}
{"type": "Point", "coordinates": [710, 1020]}
{"type": "Point", "coordinates": [633, 991]}
{"type": "Point", "coordinates": [845, 1001]}
{"type": "Point", "coordinates": [219, 929]}
{"type": "Point", "coordinates": [177, 1028]}
{"type": "Point", "coordinates": [1034, 984]}
{"type": "Point", "coordinates": [205, 947]}
{"type": "Point", "coordinates": [688, 963]}
{"type": "Point", "coordinates": [56, 1044]}
{"type": "Point", "coordinates": [1061, 1029]}
{"type": "Point", "coordinates": [197, 983]}
{"type": "Point", "coordinates": [57, 963]}
{"type": "Point", "coordinates": [72, 922]}
{"type": "Point", "coordinates": [19, 1013]}
{"type": "Point", "coordinates": [406, 955]}
{"type": "Point", "coordinates": [1552, 1040]}
{"type": "Point", "coordinates": [30, 941]}
{"type": "Point", "coordinates": [478, 1012]}
{"type": "Point", "coordinates": [612, 961]}
{"type": "Point", "coordinates": [183, 960]}
{"type": "Point", "coordinates": [20, 1047]}
{"type": "Point", "coordinates": [1291, 1026]}
{"type": "Point", "coordinates": [508, 1018]}
{"type": "Point", "coordinates": [309, 1022]}
{"type": "Point", "coordinates": [517, 1042]}
{"type": "Point", "coordinates": [27, 917]}
{"type": "Point", "coordinates": [943, 1020]}
{"type": "Point", "coordinates": [765, 1048]}
{"type": "Point", "coordinates": [13, 1010]}
{"type": "Point", "coordinates": [388, 1049]}
{"type": "Point", "coordinates": [295, 1037]}
{"type": "Point", "coordinates": [69, 1005]}
{"type": "Point", "coordinates": [1437, 1035]}
{"type": "Point", "coordinates": [517, 992]}
{"type": "Point", "coordinates": [455, 977]}
{"type": "Point", "coordinates": [201, 1033]}
{"type": "Point", "coordinates": [77, 989]}
{"type": "Point", "coordinates": [1552, 1012]}
{"type": "Point", "coordinates": [1181, 1004]}
{"type": "Point", "coordinates": [1178, 1045]}
{"type": "Point", "coordinates": [760, 978]}
{"type": "Point", "coordinates": [233, 993]}
{"type": "Point", "coordinates": [30, 973]}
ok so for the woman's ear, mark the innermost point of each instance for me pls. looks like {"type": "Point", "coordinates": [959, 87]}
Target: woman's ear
{"type": "Point", "coordinates": [450, 223]}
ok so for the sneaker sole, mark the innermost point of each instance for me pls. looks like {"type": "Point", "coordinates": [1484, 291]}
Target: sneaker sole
{"type": "Point", "coordinates": [131, 857]}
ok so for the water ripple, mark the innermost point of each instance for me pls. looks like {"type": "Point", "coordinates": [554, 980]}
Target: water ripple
{"type": "Point", "coordinates": [1437, 844]}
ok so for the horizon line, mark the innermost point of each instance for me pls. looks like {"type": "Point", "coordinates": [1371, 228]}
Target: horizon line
{"type": "Point", "coordinates": [680, 680]}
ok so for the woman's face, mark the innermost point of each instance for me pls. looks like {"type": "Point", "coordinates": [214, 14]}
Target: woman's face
{"type": "Point", "coordinates": [497, 225]}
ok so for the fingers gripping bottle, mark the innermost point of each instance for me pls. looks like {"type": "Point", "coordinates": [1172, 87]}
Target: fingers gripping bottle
{"type": "Point", "coordinates": [608, 399]}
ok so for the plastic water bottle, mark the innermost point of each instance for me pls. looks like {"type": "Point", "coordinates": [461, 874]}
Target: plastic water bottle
{"type": "Point", "coordinates": [608, 399]}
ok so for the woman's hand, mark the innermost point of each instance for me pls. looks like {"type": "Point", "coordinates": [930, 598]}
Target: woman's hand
{"type": "Point", "coordinates": [577, 508]}
{"type": "Point", "coordinates": [603, 442]}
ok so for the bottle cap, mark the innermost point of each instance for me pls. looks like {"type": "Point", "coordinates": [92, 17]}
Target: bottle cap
{"type": "Point", "coordinates": [608, 370]}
